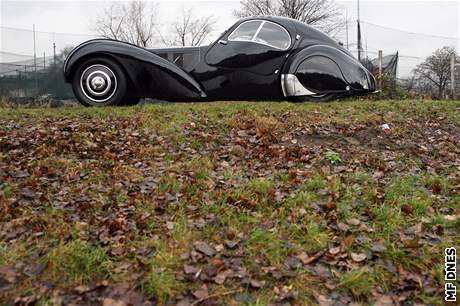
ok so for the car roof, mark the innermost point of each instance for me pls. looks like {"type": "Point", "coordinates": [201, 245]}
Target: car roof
{"type": "Point", "coordinates": [294, 26]}
{"type": "Point", "coordinates": [284, 21]}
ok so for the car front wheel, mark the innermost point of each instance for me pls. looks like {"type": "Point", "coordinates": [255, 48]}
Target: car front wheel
{"type": "Point", "coordinates": [99, 82]}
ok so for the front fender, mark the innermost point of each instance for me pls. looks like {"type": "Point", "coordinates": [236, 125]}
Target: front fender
{"type": "Point", "coordinates": [331, 69]}
{"type": "Point", "coordinates": [150, 75]}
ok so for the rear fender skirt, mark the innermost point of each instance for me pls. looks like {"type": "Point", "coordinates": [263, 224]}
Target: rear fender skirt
{"type": "Point", "coordinates": [149, 74]}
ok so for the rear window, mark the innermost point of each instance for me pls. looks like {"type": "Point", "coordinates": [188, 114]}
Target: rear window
{"type": "Point", "coordinates": [273, 35]}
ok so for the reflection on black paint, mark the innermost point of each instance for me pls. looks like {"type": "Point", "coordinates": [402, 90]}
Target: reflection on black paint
{"type": "Point", "coordinates": [320, 74]}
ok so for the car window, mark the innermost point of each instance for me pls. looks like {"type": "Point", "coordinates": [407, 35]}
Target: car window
{"type": "Point", "coordinates": [273, 35]}
{"type": "Point", "coordinates": [245, 31]}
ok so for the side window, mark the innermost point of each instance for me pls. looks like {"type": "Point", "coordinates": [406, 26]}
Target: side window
{"type": "Point", "coordinates": [262, 32]}
{"type": "Point", "coordinates": [245, 31]}
{"type": "Point", "coordinates": [273, 35]}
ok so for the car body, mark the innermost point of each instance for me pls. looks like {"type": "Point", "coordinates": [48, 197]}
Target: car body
{"type": "Point", "coordinates": [258, 58]}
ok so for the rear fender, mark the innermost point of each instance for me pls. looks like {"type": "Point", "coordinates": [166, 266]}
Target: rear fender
{"type": "Point", "coordinates": [149, 74]}
{"type": "Point", "coordinates": [325, 69]}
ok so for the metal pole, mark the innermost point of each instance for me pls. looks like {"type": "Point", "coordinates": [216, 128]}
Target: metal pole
{"type": "Point", "coordinates": [35, 60]}
{"type": "Point", "coordinates": [358, 10]}
{"type": "Point", "coordinates": [380, 68]}
{"type": "Point", "coordinates": [359, 36]}
{"type": "Point", "coordinates": [452, 75]}
{"type": "Point", "coordinates": [54, 53]}
{"type": "Point", "coordinates": [44, 61]}
{"type": "Point", "coordinates": [54, 49]}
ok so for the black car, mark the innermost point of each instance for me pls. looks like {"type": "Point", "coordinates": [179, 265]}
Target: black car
{"type": "Point", "coordinates": [266, 58]}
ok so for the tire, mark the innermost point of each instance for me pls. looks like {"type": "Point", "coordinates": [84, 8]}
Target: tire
{"type": "Point", "coordinates": [317, 98]}
{"type": "Point", "coordinates": [99, 81]}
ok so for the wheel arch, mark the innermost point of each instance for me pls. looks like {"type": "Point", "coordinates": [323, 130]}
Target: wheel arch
{"type": "Point", "coordinates": [144, 69]}
{"type": "Point", "coordinates": [351, 71]}
{"type": "Point", "coordinates": [73, 68]}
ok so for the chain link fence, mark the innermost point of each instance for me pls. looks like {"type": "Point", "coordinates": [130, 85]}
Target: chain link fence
{"type": "Point", "coordinates": [25, 76]}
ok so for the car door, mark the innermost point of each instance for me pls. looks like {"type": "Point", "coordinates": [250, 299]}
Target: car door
{"type": "Point", "coordinates": [249, 58]}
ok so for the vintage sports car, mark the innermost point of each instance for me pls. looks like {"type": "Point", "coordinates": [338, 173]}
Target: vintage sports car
{"type": "Point", "coordinates": [266, 58]}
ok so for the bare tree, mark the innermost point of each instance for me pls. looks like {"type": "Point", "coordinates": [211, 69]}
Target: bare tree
{"type": "Point", "coordinates": [435, 70]}
{"type": "Point", "coordinates": [323, 14]}
{"type": "Point", "coordinates": [190, 31]}
{"type": "Point", "coordinates": [132, 22]}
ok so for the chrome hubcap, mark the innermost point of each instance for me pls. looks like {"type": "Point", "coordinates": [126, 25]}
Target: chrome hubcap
{"type": "Point", "coordinates": [98, 83]}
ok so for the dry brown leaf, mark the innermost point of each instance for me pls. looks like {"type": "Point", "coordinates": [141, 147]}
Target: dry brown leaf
{"type": "Point", "coordinates": [358, 257]}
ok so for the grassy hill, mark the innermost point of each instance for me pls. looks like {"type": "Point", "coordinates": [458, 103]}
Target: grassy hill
{"type": "Point", "coordinates": [229, 203]}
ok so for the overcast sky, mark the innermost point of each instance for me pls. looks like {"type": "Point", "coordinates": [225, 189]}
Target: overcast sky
{"type": "Point", "coordinates": [435, 18]}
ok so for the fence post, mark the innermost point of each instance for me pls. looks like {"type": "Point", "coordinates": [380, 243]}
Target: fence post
{"type": "Point", "coordinates": [452, 75]}
{"type": "Point", "coordinates": [380, 68]}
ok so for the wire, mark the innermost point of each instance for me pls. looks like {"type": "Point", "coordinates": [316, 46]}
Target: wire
{"type": "Point", "coordinates": [45, 32]}
{"type": "Point", "coordinates": [15, 54]}
{"type": "Point", "coordinates": [408, 32]}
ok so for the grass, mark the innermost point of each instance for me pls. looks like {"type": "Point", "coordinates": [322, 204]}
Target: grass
{"type": "Point", "coordinates": [360, 281]}
{"type": "Point", "coordinates": [77, 262]}
{"type": "Point", "coordinates": [122, 195]}
{"type": "Point", "coordinates": [333, 157]}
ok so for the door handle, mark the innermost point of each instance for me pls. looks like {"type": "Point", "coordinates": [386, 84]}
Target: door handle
{"type": "Point", "coordinates": [223, 42]}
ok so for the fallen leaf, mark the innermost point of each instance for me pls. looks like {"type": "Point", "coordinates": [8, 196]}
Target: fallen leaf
{"type": "Point", "coordinates": [378, 247]}
{"type": "Point", "coordinates": [306, 260]}
{"type": "Point", "coordinates": [358, 257]}
{"type": "Point", "coordinates": [334, 250]}
{"type": "Point", "coordinates": [348, 241]}
{"type": "Point", "coordinates": [170, 225]}
{"type": "Point", "coordinates": [257, 284]}
{"type": "Point", "coordinates": [451, 217]}
{"type": "Point", "coordinates": [216, 262]}
{"type": "Point", "coordinates": [8, 274]}
{"type": "Point", "coordinates": [188, 269]}
{"type": "Point", "coordinates": [353, 221]}
{"type": "Point", "coordinates": [407, 209]}
{"type": "Point", "coordinates": [112, 302]}
{"type": "Point", "coordinates": [222, 276]}
{"type": "Point", "coordinates": [331, 205]}
{"type": "Point", "coordinates": [82, 289]}
{"type": "Point", "coordinates": [201, 293]}
{"type": "Point", "coordinates": [231, 243]}
{"type": "Point", "coordinates": [204, 248]}
{"type": "Point", "coordinates": [324, 301]}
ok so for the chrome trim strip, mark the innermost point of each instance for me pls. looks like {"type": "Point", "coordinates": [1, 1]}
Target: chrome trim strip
{"type": "Point", "coordinates": [291, 86]}
{"type": "Point", "coordinates": [258, 30]}
{"type": "Point", "coordinates": [283, 89]}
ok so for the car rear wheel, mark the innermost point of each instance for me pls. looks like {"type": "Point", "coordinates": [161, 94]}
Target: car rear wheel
{"type": "Point", "coordinates": [99, 81]}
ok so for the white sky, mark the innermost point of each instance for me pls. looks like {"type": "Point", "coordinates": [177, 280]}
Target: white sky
{"type": "Point", "coordinates": [439, 18]}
